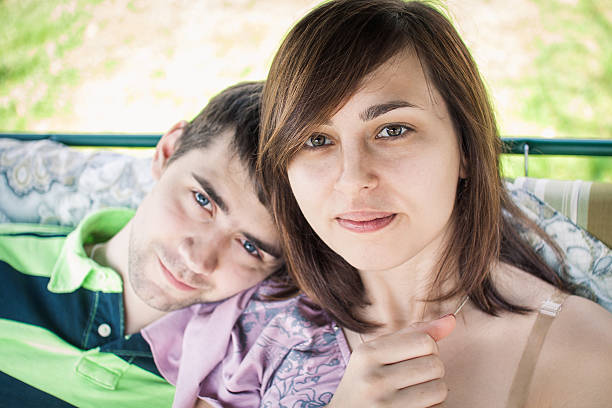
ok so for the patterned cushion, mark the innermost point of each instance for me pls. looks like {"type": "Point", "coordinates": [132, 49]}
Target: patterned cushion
{"type": "Point", "coordinates": [47, 182]}
{"type": "Point", "coordinates": [588, 260]}
{"type": "Point", "coordinates": [50, 183]}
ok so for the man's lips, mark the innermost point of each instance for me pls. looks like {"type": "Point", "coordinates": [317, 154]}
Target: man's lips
{"type": "Point", "coordinates": [174, 281]}
{"type": "Point", "coordinates": [365, 221]}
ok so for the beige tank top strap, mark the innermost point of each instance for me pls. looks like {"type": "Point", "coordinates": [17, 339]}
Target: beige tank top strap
{"type": "Point", "coordinates": [524, 374]}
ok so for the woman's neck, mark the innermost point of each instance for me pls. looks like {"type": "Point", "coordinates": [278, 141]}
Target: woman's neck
{"type": "Point", "coordinates": [399, 296]}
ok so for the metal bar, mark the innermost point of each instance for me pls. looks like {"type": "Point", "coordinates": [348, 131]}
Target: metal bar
{"type": "Point", "coordinates": [512, 145]}
{"type": "Point", "coordinates": [526, 159]}
{"type": "Point", "coordinates": [560, 147]}
{"type": "Point", "coordinates": [91, 139]}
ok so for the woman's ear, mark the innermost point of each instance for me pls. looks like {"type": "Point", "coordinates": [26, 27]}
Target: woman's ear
{"type": "Point", "coordinates": [165, 148]}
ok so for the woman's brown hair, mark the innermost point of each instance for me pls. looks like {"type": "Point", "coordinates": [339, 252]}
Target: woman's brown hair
{"type": "Point", "coordinates": [320, 64]}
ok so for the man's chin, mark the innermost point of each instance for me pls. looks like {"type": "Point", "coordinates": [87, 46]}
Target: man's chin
{"type": "Point", "coordinates": [169, 306]}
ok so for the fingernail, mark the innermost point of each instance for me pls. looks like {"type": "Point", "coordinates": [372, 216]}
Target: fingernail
{"type": "Point", "coordinates": [449, 314]}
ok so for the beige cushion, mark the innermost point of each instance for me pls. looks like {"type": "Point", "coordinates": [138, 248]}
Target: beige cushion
{"type": "Point", "coordinates": [588, 204]}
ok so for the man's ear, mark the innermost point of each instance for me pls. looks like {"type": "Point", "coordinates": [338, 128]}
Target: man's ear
{"type": "Point", "coordinates": [165, 148]}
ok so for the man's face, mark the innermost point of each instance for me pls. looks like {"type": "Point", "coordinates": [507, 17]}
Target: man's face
{"type": "Point", "coordinates": [201, 234]}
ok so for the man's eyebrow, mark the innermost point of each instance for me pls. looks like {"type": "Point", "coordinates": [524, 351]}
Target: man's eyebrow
{"type": "Point", "coordinates": [271, 249]}
{"type": "Point", "coordinates": [210, 190]}
{"type": "Point", "coordinates": [376, 110]}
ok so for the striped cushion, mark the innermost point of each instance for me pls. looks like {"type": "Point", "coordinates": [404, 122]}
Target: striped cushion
{"type": "Point", "coordinates": [588, 204]}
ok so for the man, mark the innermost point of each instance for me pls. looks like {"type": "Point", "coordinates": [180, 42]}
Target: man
{"type": "Point", "coordinates": [72, 305]}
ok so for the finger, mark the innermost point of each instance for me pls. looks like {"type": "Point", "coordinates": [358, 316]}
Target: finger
{"type": "Point", "coordinates": [407, 373]}
{"type": "Point", "coordinates": [439, 328]}
{"type": "Point", "coordinates": [392, 348]}
{"type": "Point", "coordinates": [416, 341]}
{"type": "Point", "coordinates": [427, 394]}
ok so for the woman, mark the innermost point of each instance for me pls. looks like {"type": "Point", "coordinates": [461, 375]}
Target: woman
{"type": "Point", "coordinates": [380, 154]}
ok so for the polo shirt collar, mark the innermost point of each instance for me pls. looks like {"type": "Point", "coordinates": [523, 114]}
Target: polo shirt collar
{"type": "Point", "coordinates": [74, 269]}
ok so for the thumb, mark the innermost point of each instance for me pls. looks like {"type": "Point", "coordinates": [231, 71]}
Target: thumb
{"type": "Point", "coordinates": [439, 328]}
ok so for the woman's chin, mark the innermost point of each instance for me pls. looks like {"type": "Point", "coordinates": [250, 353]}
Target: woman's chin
{"type": "Point", "coordinates": [373, 260]}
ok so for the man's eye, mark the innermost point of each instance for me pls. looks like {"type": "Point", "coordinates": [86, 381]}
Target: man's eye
{"type": "Point", "coordinates": [251, 248]}
{"type": "Point", "coordinates": [318, 140]}
{"type": "Point", "coordinates": [202, 200]}
{"type": "Point", "coordinates": [392, 131]}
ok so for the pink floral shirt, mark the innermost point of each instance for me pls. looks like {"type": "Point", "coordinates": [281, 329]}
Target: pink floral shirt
{"type": "Point", "coordinates": [247, 351]}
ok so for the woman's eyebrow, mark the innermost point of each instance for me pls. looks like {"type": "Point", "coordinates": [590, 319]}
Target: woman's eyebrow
{"type": "Point", "coordinates": [380, 109]}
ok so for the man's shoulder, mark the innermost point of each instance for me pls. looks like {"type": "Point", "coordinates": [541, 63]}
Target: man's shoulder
{"type": "Point", "coordinates": [42, 230]}
{"type": "Point", "coordinates": [104, 215]}
{"type": "Point", "coordinates": [31, 248]}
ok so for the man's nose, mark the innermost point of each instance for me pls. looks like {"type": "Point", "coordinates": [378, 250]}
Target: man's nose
{"type": "Point", "coordinates": [200, 255]}
{"type": "Point", "coordinates": [356, 170]}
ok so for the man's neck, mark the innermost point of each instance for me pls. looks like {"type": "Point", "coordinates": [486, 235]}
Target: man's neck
{"type": "Point", "coordinates": [115, 254]}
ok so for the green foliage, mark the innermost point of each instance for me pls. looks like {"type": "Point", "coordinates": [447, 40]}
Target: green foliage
{"type": "Point", "coordinates": [35, 38]}
{"type": "Point", "coordinates": [570, 87]}
{"type": "Point", "coordinates": [559, 167]}
{"type": "Point", "coordinates": [573, 81]}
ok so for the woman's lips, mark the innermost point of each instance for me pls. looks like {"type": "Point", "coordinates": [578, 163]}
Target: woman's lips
{"type": "Point", "coordinates": [175, 282]}
{"type": "Point", "coordinates": [364, 221]}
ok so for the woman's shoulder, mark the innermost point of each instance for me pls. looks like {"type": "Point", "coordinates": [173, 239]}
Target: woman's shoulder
{"type": "Point", "coordinates": [574, 367]}
{"type": "Point", "coordinates": [527, 290]}
{"type": "Point", "coordinates": [578, 322]}
{"type": "Point", "coordinates": [583, 329]}
{"type": "Point", "coordinates": [521, 288]}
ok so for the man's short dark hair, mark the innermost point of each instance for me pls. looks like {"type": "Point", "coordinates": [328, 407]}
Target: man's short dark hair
{"type": "Point", "coordinates": [235, 108]}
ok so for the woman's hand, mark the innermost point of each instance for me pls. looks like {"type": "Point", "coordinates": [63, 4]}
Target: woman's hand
{"type": "Point", "coordinates": [402, 369]}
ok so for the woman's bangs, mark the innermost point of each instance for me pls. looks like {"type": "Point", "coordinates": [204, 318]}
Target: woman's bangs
{"type": "Point", "coordinates": [323, 92]}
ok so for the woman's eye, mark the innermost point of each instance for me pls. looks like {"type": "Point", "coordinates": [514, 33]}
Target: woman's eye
{"type": "Point", "coordinates": [317, 140]}
{"type": "Point", "coordinates": [202, 200]}
{"type": "Point", "coordinates": [392, 131]}
{"type": "Point", "coordinates": [251, 248]}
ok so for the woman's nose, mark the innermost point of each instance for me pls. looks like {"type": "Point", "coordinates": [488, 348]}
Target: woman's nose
{"type": "Point", "coordinates": [357, 170]}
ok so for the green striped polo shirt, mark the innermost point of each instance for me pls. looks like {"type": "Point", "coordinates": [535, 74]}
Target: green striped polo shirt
{"type": "Point", "coordinates": [62, 340]}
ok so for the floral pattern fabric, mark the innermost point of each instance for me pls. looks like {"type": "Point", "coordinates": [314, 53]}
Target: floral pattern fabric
{"type": "Point", "coordinates": [49, 183]}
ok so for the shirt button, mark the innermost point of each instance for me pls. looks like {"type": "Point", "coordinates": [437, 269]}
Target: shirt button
{"type": "Point", "coordinates": [104, 330]}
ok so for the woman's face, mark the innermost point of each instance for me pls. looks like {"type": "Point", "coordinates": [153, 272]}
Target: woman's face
{"type": "Point", "coordinates": [377, 182]}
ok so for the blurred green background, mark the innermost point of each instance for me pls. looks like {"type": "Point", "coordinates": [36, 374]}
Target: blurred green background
{"type": "Point", "coordinates": [139, 66]}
